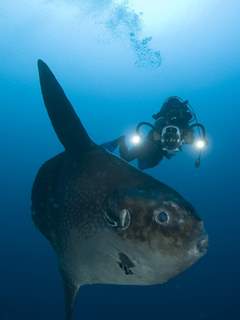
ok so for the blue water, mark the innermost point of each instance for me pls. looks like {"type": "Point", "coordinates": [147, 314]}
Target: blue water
{"type": "Point", "coordinates": [114, 82]}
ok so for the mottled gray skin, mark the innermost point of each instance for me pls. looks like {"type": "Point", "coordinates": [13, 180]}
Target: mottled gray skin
{"type": "Point", "coordinates": [75, 192]}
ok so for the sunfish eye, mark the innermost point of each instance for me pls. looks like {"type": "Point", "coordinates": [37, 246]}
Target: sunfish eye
{"type": "Point", "coordinates": [161, 217]}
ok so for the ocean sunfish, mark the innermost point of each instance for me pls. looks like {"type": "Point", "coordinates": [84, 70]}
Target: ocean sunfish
{"type": "Point", "coordinates": [108, 222]}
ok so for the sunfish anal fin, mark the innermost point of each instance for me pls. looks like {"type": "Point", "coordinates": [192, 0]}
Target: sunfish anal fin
{"type": "Point", "coordinates": [70, 294]}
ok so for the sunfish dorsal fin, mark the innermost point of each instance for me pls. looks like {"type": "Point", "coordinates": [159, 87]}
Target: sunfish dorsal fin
{"type": "Point", "coordinates": [65, 121]}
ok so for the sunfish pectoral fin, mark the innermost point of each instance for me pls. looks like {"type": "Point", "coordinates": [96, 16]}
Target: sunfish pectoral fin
{"type": "Point", "coordinates": [70, 294]}
{"type": "Point", "coordinates": [65, 121]}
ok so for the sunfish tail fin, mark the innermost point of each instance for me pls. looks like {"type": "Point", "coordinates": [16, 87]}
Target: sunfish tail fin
{"type": "Point", "coordinates": [65, 121]}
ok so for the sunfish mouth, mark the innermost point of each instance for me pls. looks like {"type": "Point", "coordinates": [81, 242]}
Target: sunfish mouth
{"type": "Point", "coordinates": [199, 249]}
{"type": "Point", "coordinates": [202, 244]}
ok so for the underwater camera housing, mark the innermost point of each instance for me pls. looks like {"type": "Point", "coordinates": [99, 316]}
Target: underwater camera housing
{"type": "Point", "coordinates": [171, 138]}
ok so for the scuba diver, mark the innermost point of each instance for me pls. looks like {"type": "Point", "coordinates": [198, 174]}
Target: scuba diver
{"type": "Point", "coordinates": [175, 124]}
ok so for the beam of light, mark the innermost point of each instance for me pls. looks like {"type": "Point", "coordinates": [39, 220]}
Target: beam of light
{"type": "Point", "coordinates": [200, 144]}
{"type": "Point", "coordinates": [136, 139]}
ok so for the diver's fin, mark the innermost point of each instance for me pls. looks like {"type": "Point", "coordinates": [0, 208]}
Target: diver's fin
{"type": "Point", "coordinates": [65, 121]}
{"type": "Point", "coordinates": [70, 294]}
